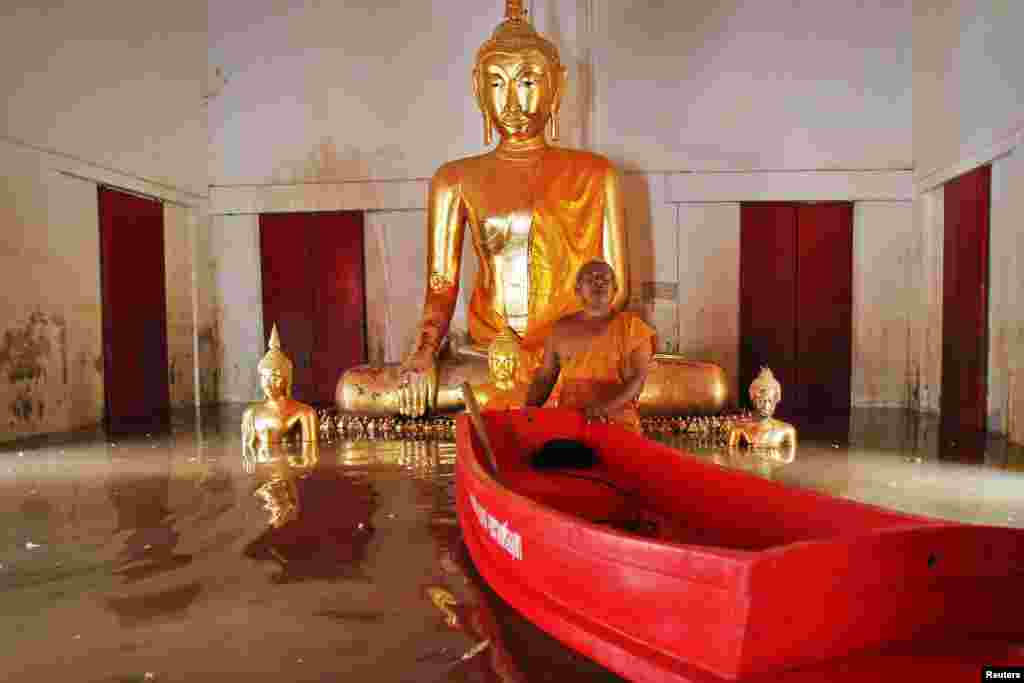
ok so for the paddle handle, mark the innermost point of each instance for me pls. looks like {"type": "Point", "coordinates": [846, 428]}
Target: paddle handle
{"type": "Point", "coordinates": [478, 425]}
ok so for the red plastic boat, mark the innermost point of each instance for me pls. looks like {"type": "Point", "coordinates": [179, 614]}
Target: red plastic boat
{"type": "Point", "coordinates": [663, 567]}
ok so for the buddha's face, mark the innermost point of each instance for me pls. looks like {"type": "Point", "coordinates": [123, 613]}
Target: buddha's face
{"type": "Point", "coordinates": [765, 401]}
{"type": "Point", "coordinates": [518, 91]}
{"type": "Point", "coordinates": [274, 382]}
{"type": "Point", "coordinates": [596, 285]}
{"type": "Point", "coordinates": [503, 366]}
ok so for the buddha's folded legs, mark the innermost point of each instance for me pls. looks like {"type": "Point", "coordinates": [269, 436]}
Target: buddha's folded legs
{"type": "Point", "coordinates": [373, 390]}
{"type": "Point", "coordinates": [674, 386]}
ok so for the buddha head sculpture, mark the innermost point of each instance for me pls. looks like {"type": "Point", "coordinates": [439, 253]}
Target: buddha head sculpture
{"type": "Point", "coordinates": [765, 393]}
{"type": "Point", "coordinates": [518, 79]}
{"type": "Point", "coordinates": [503, 359]}
{"type": "Point", "coordinates": [275, 370]}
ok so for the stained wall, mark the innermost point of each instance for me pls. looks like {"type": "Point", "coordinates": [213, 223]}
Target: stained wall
{"type": "Point", "coordinates": [1006, 294]}
{"type": "Point", "coordinates": [99, 93]}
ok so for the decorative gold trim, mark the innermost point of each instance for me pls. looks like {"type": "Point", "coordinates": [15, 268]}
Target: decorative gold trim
{"type": "Point", "coordinates": [705, 428]}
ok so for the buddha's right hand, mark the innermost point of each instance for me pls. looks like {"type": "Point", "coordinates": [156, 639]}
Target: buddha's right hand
{"type": "Point", "coordinates": [417, 384]}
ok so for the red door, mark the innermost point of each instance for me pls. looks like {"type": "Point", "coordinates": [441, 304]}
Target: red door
{"type": "Point", "coordinates": [768, 299]}
{"type": "Point", "coordinates": [965, 305]}
{"type": "Point", "coordinates": [824, 311]}
{"type": "Point", "coordinates": [134, 301]}
{"type": "Point", "coordinates": [313, 289]}
{"type": "Point", "coordinates": [796, 282]}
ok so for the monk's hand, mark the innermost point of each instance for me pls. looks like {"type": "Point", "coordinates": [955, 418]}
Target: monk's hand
{"type": "Point", "coordinates": [417, 384]}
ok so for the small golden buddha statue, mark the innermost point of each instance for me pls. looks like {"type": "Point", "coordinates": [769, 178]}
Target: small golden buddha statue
{"type": "Point", "coordinates": [764, 431]}
{"type": "Point", "coordinates": [266, 424]}
{"type": "Point", "coordinates": [503, 391]}
{"type": "Point", "coordinates": [535, 214]}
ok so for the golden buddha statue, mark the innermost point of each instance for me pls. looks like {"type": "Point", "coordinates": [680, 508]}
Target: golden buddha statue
{"type": "Point", "coordinates": [535, 214]}
{"type": "Point", "coordinates": [267, 424]}
{"type": "Point", "coordinates": [765, 432]}
{"type": "Point", "coordinates": [503, 390]}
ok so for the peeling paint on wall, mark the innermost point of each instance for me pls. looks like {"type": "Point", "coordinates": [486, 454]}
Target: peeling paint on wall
{"type": "Point", "coordinates": [211, 351]}
{"type": "Point", "coordinates": [24, 356]}
{"type": "Point", "coordinates": [25, 350]}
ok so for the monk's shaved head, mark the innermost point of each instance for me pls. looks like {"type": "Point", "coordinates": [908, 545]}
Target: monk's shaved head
{"type": "Point", "coordinates": [595, 266]}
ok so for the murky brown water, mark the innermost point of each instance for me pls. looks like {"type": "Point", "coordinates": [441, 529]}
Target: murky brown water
{"type": "Point", "coordinates": [154, 559]}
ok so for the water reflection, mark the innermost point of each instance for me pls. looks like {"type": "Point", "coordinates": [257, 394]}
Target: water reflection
{"type": "Point", "coordinates": [319, 520]}
{"type": "Point", "coordinates": [135, 557]}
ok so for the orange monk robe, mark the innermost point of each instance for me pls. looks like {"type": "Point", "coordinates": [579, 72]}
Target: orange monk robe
{"type": "Point", "coordinates": [599, 373]}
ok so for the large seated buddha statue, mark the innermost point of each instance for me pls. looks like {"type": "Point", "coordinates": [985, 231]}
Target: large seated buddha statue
{"type": "Point", "coordinates": [535, 214]}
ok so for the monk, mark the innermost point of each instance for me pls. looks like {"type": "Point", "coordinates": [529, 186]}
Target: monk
{"type": "Point", "coordinates": [598, 358]}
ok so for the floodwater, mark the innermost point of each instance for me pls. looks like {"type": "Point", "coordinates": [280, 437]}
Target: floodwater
{"type": "Point", "coordinates": [165, 558]}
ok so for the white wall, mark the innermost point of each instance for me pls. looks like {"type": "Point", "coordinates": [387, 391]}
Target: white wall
{"type": "Point", "coordinates": [748, 84]}
{"type": "Point", "coordinates": [180, 225]}
{"type": "Point", "coordinates": [926, 271]}
{"type": "Point", "coordinates": [968, 84]}
{"type": "Point", "coordinates": [886, 304]}
{"type": "Point", "coordinates": [709, 260]}
{"type": "Point", "coordinates": [339, 91]}
{"type": "Point", "coordinates": [116, 84]}
{"type": "Point", "coordinates": [232, 340]}
{"type": "Point", "coordinates": [1006, 294]}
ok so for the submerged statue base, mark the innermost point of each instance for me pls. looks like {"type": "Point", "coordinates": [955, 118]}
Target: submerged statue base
{"type": "Point", "coordinates": [674, 386]}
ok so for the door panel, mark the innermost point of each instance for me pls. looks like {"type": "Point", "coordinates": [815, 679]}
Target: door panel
{"type": "Point", "coordinates": [339, 300]}
{"type": "Point", "coordinates": [824, 308]}
{"type": "Point", "coordinates": [965, 304]}
{"type": "Point", "coordinates": [288, 278]}
{"type": "Point", "coordinates": [135, 366]}
{"type": "Point", "coordinates": [767, 298]}
{"type": "Point", "coordinates": [314, 289]}
{"type": "Point", "coordinates": [796, 282]}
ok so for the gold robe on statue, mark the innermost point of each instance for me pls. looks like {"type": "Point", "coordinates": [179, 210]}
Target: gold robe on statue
{"type": "Point", "coordinates": [599, 372]}
{"type": "Point", "coordinates": [568, 194]}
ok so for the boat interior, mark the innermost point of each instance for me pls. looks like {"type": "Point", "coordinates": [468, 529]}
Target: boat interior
{"type": "Point", "coordinates": [670, 496]}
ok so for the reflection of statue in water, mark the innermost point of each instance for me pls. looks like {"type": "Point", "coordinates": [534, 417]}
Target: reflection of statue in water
{"type": "Point", "coordinates": [535, 214]}
{"type": "Point", "coordinates": [765, 432]}
{"type": "Point", "coordinates": [319, 518]}
{"type": "Point", "coordinates": [267, 423]}
{"type": "Point", "coordinates": [280, 494]}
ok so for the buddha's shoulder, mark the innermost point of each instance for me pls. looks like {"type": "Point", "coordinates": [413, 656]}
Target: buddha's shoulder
{"type": "Point", "coordinates": [580, 157]}
{"type": "Point", "coordinates": [456, 169]}
{"type": "Point", "coordinates": [297, 408]}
